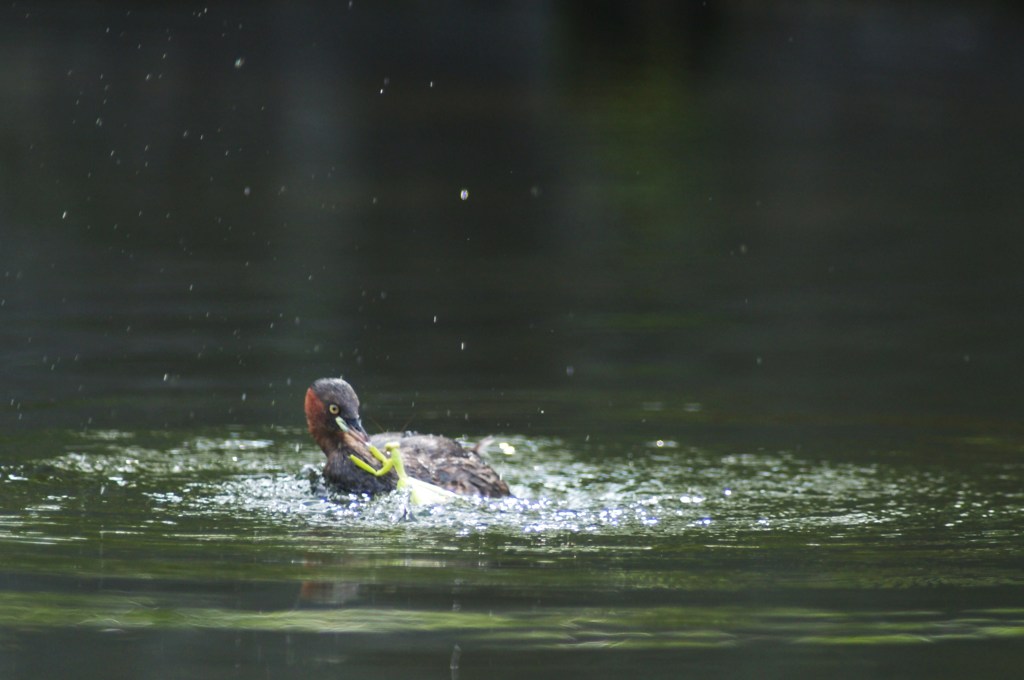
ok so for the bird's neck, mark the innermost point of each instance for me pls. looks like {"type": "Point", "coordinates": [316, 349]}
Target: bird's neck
{"type": "Point", "coordinates": [341, 471]}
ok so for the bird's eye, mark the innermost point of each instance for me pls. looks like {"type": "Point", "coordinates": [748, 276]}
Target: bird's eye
{"type": "Point", "coordinates": [333, 408]}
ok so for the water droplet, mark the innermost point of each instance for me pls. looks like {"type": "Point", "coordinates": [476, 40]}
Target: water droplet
{"type": "Point", "coordinates": [247, 191]}
{"type": "Point", "coordinates": [240, 62]}
{"type": "Point", "coordinates": [569, 371]}
{"type": "Point", "coordinates": [99, 122]}
{"type": "Point", "coordinates": [464, 194]}
{"type": "Point", "coordinates": [462, 346]}
{"type": "Point", "coordinates": [65, 215]}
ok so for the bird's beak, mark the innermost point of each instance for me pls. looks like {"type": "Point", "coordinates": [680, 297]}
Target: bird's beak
{"type": "Point", "coordinates": [354, 427]}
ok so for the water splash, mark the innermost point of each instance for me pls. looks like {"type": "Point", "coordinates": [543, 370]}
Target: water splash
{"type": "Point", "coordinates": [654, 489]}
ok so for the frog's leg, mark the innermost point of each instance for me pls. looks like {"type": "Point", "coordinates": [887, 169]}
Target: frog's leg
{"type": "Point", "coordinates": [386, 463]}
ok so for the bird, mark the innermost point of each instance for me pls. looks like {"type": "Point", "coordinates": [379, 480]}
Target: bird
{"type": "Point", "coordinates": [354, 460]}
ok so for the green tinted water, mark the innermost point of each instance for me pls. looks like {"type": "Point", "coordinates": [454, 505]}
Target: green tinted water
{"type": "Point", "coordinates": [631, 546]}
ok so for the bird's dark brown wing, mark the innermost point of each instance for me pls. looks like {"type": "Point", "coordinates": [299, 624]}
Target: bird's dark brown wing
{"type": "Point", "coordinates": [445, 463]}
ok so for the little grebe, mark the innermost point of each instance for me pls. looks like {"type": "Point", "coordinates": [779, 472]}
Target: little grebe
{"type": "Point", "coordinates": [332, 414]}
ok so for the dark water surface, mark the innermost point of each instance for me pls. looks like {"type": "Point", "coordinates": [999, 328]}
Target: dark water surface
{"type": "Point", "coordinates": [736, 291]}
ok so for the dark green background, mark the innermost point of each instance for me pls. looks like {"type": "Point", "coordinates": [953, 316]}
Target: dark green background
{"type": "Point", "coordinates": [785, 239]}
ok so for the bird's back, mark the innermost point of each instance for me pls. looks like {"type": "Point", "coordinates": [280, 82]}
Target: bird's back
{"type": "Point", "coordinates": [445, 463]}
